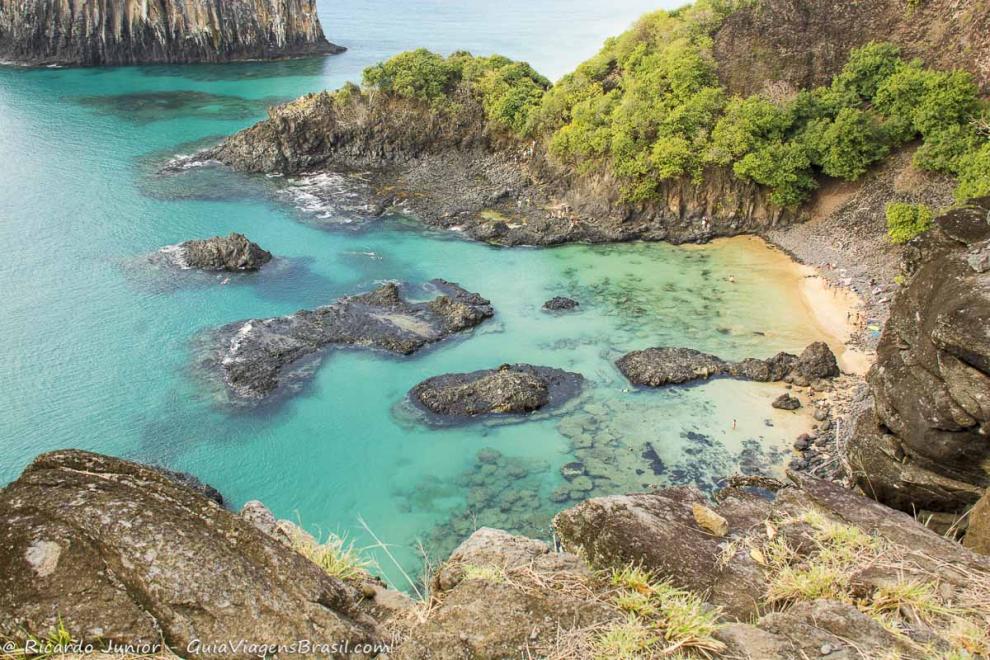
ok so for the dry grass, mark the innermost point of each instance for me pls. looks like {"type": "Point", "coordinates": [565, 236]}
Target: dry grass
{"type": "Point", "coordinates": [909, 600]}
{"type": "Point", "coordinates": [335, 555]}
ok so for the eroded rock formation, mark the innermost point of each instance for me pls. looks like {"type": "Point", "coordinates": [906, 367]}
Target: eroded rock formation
{"type": "Point", "coordinates": [656, 367]}
{"type": "Point", "coordinates": [924, 443]}
{"type": "Point", "coordinates": [255, 357]}
{"type": "Point", "coordinates": [107, 32]}
{"type": "Point", "coordinates": [509, 390]}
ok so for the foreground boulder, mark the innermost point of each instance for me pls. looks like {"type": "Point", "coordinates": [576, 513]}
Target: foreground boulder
{"type": "Point", "coordinates": [231, 253]}
{"type": "Point", "coordinates": [782, 552]}
{"type": "Point", "coordinates": [922, 442]}
{"type": "Point", "coordinates": [509, 390]}
{"type": "Point", "coordinates": [122, 553]}
{"type": "Point", "coordinates": [657, 367]}
{"type": "Point", "coordinates": [112, 32]}
{"type": "Point", "coordinates": [255, 358]}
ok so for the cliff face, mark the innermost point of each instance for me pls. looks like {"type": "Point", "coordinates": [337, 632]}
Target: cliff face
{"type": "Point", "coordinates": [805, 42]}
{"type": "Point", "coordinates": [107, 32]}
{"type": "Point", "coordinates": [925, 443]}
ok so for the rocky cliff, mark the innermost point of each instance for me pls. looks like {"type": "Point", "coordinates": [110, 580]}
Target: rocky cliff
{"type": "Point", "coordinates": [802, 43]}
{"type": "Point", "coordinates": [923, 443]}
{"type": "Point", "coordinates": [108, 32]}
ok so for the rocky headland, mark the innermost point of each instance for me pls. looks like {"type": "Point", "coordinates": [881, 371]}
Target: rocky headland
{"type": "Point", "coordinates": [656, 367]}
{"type": "Point", "coordinates": [511, 389]}
{"type": "Point", "coordinates": [115, 32]}
{"type": "Point", "coordinates": [257, 357]}
{"type": "Point", "coordinates": [233, 253]}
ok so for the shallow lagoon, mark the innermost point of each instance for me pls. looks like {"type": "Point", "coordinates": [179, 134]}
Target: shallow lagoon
{"type": "Point", "coordinates": [97, 347]}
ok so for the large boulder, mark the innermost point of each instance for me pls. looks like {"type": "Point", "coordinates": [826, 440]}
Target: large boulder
{"type": "Point", "coordinates": [254, 358]}
{"type": "Point", "coordinates": [923, 444]}
{"type": "Point", "coordinates": [231, 253]}
{"type": "Point", "coordinates": [509, 390]}
{"type": "Point", "coordinates": [661, 532]}
{"type": "Point", "coordinates": [121, 553]}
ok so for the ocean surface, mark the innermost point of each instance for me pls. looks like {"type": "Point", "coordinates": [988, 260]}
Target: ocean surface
{"type": "Point", "coordinates": [98, 340]}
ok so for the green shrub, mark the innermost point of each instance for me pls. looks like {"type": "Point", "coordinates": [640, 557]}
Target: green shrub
{"type": "Point", "coordinates": [417, 74]}
{"type": "Point", "coordinates": [747, 124]}
{"type": "Point", "coordinates": [783, 167]}
{"type": "Point", "coordinates": [974, 174]}
{"type": "Point", "coordinates": [866, 69]}
{"type": "Point", "coordinates": [847, 146]}
{"type": "Point", "coordinates": [905, 221]}
{"type": "Point", "coordinates": [945, 150]}
{"type": "Point", "coordinates": [949, 98]}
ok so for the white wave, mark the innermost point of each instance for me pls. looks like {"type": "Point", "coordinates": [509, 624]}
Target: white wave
{"type": "Point", "coordinates": [329, 197]}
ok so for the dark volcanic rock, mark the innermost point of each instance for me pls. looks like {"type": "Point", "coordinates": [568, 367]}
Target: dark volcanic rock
{"type": "Point", "coordinates": [656, 367]}
{"type": "Point", "coordinates": [560, 304]}
{"type": "Point", "coordinates": [121, 553]}
{"type": "Point", "coordinates": [166, 31]}
{"type": "Point", "coordinates": [510, 389]}
{"type": "Point", "coordinates": [786, 402]}
{"type": "Point", "coordinates": [817, 361]}
{"type": "Point", "coordinates": [255, 357]}
{"type": "Point", "coordinates": [231, 253]}
{"type": "Point", "coordinates": [923, 444]}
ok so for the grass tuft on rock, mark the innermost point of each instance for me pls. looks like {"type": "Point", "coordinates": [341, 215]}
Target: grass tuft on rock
{"type": "Point", "coordinates": [661, 619]}
{"type": "Point", "coordinates": [336, 555]}
{"type": "Point", "coordinates": [836, 565]}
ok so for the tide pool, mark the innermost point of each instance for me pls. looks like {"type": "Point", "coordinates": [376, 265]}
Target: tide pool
{"type": "Point", "coordinates": [98, 347]}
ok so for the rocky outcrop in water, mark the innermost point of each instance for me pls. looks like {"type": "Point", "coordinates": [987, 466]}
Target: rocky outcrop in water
{"type": "Point", "coordinates": [231, 253]}
{"type": "Point", "coordinates": [509, 390]}
{"type": "Point", "coordinates": [111, 32]}
{"type": "Point", "coordinates": [560, 304]}
{"type": "Point", "coordinates": [255, 358]}
{"type": "Point", "coordinates": [922, 444]}
{"type": "Point", "coordinates": [657, 367]}
{"type": "Point", "coordinates": [121, 553]}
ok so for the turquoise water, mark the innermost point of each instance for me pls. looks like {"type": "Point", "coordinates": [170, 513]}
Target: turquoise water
{"type": "Point", "coordinates": [97, 345]}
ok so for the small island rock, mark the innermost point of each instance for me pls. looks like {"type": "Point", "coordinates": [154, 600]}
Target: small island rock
{"type": "Point", "coordinates": [560, 304]}
{"type": "Point", "coordinates": [230, 253]}
{"type": "Point", "coordinates": [509, 390]}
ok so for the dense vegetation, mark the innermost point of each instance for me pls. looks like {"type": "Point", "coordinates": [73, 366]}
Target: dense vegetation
{"type": "Point", "coordinates": [509, 91]}
{"type": "Point", "coordinates": [650, 108]}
